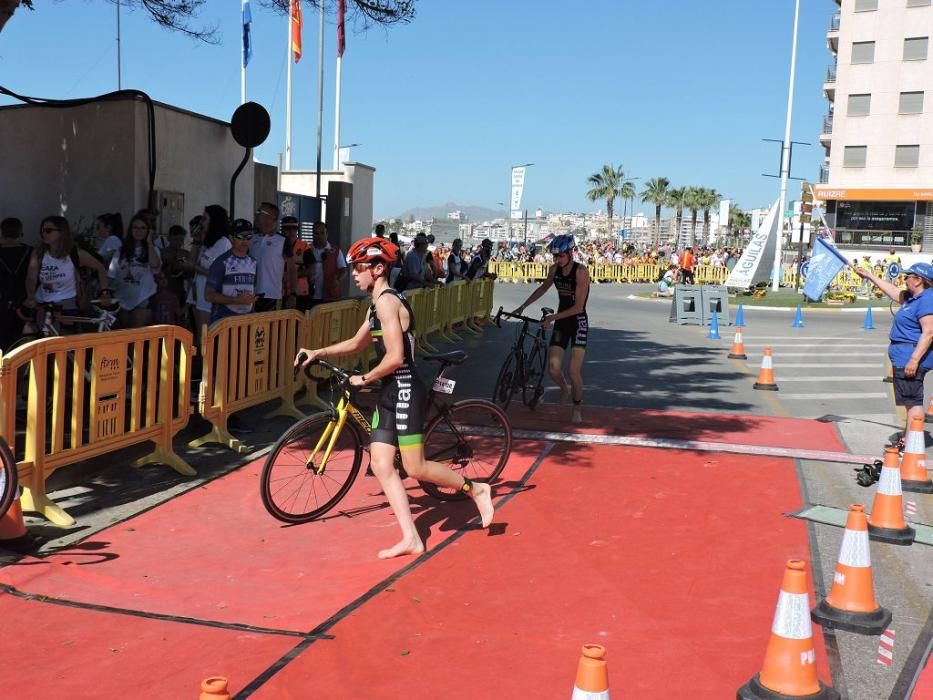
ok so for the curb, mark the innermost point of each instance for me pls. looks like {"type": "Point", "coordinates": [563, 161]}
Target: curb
{"type": "Point", "coordinates": [634, 297]}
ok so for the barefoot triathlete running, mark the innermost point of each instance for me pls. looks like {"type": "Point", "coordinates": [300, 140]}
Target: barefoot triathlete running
{"type": "Point", "coordinates": [399, 419]}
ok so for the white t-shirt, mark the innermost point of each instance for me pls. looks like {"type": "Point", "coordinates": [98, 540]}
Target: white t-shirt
{"type": "Point", "coordinates": [205, 258]}
{"type": "Point", "coordinates": [268, 252]}
{"type": "Point", "coordinates": [318, 270]}
{"type": "Point", "coordinates": [110, 247]}
{"type": "Point", "coordinates": [57, 279]}
{"type": "Point", "coordinates": [134, 281]}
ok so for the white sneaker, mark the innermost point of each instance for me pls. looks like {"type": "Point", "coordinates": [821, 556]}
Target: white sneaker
{"type": "Point", "coordinates": [577, 415]}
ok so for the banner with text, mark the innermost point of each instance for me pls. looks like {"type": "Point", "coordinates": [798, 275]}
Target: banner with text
{"type": "Point", "coordinates": [756, 262]}
{"type": "Point", "coordinates": [518, 187]}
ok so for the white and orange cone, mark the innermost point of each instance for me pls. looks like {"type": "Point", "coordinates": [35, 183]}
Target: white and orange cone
{"type": "Point", "coordinates": [851, 603]}
{"type": "Point", "coordinates": [914, 477]}
{"type": "Point", "coordinates": [13, 533]}
{"type": "Point", "coordinates": [886, 523]}
{"type": "Point", "coordinates": [592, 675]}
{"type": "Point", "coordinates": [789, 669]}
{"type": "Point", "coordinates": [738, 347]}
{"type": "Point", "coordinates": [214, 688]}
{"type": "Point", "coordinates": [766, 373]}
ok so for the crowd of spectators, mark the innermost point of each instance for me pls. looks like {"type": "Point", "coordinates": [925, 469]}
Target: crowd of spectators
{"type": "Point", "coordinates": [195, 275]}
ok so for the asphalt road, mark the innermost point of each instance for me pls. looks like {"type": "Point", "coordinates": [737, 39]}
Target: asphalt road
{"type": "Point", "coordinates": [829, 370]}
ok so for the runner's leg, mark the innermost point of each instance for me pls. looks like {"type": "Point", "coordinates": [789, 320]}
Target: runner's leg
{"type": "Point", "coordinates": [576, 379]}
{"type": "Point", "coordinates": [417, 467]}
{"type": "Point", "coordinates": [555, 360]}
{"type": "Point", "coordinates": [382, 457]}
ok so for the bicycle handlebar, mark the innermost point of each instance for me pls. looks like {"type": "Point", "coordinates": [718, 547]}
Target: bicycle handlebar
{"type": "Point", "coordinates": [527, 319]}
{"type": "Point", "coordinates": [342, 375]}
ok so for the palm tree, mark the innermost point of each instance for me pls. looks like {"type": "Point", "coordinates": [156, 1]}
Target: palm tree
{"type": "Point", "coordinates": [693, 202]}
{"type": "Point", "coordinates": [607, 184]}
{"type": "Point", "coordinates": [738, 220]}
{"type": "Point", "coordinates": [676, 199]}
{"type": "Point", "coordinates": [656, 190]}
{"type": "Point", "coordinates": [709, 198]}
{"type": "Point", "coordinates": [627, 192]}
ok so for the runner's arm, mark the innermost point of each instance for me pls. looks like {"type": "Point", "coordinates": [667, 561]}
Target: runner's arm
{"type": "Point", "coordinates": [32, 279]}
{"type": "Point", "coordinates": [350, 346]}
{"type": "Point", "coordinates": [539, 292]}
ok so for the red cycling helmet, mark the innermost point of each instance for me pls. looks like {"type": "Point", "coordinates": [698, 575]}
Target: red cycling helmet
{"type": "Point", "coordinates": [372, 250]}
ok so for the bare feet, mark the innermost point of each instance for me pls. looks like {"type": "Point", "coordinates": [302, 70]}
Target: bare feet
{"type": "Point", "coordinates": [577, 415]}
{"type": "Point", "coordinates": [482, 497]}
{"type": "Point", "coordinates": [406, 546]}
{"type": "Point", "coordinates": [565, 393]}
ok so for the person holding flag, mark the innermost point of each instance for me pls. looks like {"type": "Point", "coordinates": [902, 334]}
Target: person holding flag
{"type": "Point", "coordinates": [910, 337]}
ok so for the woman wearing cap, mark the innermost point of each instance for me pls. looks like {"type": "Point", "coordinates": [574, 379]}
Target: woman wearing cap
{"type": "Point", "coordinates": [911, 334]}
{"type": "Point", "coordinates": [399, 419]}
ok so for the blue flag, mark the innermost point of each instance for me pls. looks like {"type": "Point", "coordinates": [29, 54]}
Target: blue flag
{"type": "Point", "coordinates": [825, 263]}
{"type": "Point", "coordinates": [247, 40]}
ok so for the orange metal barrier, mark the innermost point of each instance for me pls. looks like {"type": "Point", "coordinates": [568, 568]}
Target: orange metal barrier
{"type": "Point", "coordinates": [92, 394]}
{"type": "Point", "coordinates": [248, 360]}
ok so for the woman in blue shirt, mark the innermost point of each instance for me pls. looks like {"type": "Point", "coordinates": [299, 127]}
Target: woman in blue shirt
{"type": "Point", "coordinates": [911, 335]}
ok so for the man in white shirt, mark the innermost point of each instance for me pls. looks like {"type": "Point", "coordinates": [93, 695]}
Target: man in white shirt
{"type": "Point", "coordinates": [328, 266]}
{"type": "Point", "coordinates": [273, 257]}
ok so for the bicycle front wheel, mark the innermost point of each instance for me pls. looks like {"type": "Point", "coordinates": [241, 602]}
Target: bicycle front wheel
{"type": "Point", "coordinates": [295, 486]}
{"type": "Point", "coordinates": [532, 389]}
{"type": "Point", "coordinates": [474, 438]}
{"type": "Point", "coordinates": [8, 478]}
{"type": "Point", "coordinates": [507, 380]}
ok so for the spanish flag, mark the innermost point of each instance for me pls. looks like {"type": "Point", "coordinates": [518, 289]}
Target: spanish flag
{"type": "Point", "coordinates": [296, 29]}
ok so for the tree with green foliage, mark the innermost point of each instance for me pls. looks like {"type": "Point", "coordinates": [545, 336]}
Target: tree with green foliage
{"type": "Point", "coordinates": [708, 199]}
{"type": "Point", "coordinates": [656, 191]}
{"type": "Point", "coordinates": [693, 201]}
{"type": "Point", "coordinates": [677, 200]}
{"type": "Point", "coordinates": [606, 184]}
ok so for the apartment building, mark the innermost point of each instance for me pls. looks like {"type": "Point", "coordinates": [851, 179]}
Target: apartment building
{"type": "Point", "coordinates": [877, 180]}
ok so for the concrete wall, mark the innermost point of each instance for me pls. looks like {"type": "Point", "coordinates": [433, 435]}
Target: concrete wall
{"type": "Point", "coordinates": [83, 161]}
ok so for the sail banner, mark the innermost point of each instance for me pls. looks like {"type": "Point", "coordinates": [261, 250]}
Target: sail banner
{"type": "Point", "coordinates": [756, 262]}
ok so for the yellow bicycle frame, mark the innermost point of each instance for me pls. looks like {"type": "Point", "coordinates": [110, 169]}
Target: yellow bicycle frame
{"type": "Point", "coordinates": [334, 428]}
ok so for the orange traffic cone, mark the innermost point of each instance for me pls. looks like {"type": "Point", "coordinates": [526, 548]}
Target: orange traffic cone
{"type": "Point", "coordinates": [214, 688]}
{"type": "Point", "coordinates": [887, 523]}
{"type": "Point", "coordinates": [789, 670]}
{"type": "Point", "coordinates": [738, 347]}
{"type": "Point", "coordinates": [914, 475]}
{"type": "Point", "coordinates": [13, 533]}
{"type": "Point", "coordinates": [592, 675]}
{"type": "Point", "coordinates": [766, 374]}
{"type": "Point", "coordinates": [851, 603]}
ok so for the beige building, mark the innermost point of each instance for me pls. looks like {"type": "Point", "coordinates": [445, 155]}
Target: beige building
{"type": "Point", "coordinates": [877, 181]}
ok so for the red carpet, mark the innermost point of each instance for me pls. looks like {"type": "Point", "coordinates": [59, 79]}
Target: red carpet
{"type": "Point", "coordinates": [671, 560]}
{"type": "Point", "coordinates": [767, 431]}
{"type": "Point", "coordinates": [50, 651]}
{"type": "Point", "coordinates": [215, 554]}
{"type": "Point", "coordinates": [924, 688]}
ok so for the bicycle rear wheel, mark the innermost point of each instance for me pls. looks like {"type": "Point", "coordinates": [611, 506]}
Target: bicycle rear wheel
{"type": "Point", "coordinates": [532, 388]}
{"type": "Point", "coordinates": [474, 438]}
{"type": "Point", "coordinates": [293, 489]}
{"type": "Point", "coordinates": [507, 381]}
{"type": "Point", "coordinates": [8, 478]}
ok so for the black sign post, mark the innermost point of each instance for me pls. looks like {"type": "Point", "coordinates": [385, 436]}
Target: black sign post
{"type": "Point", "coordinates": [250, 126]}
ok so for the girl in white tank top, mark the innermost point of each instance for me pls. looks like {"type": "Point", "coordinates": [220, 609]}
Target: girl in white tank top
{"type": "Point", "coordinates": [58, 281]}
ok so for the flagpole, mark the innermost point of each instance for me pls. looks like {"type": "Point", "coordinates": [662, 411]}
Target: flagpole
{"type": "Point", "coordinates": [320, 95]}
{"type": "Point", "coordinates": [337, 117]}
{"type": "Point", "coordinates": [288, 89]}
{"type": "Point", "coordinates": [242, 59]}
{"type": "Point", "coordinates": [119, 52]}
{"type": "Point", "coordinates": [785, 157]}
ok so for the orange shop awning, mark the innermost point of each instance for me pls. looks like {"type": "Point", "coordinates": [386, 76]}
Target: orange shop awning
{"type": "Point", "coordinates": [912, 194]}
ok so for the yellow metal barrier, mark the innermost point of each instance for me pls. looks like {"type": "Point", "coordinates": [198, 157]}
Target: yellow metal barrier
{"type": "Point", "coordinates": [461, 306]}
{"type": "Point", "coordinates": [248, 360]}
{"type": "Point", "coordinates": [92, 394]}
{"type": "Point", "coordinates": [709, 274]}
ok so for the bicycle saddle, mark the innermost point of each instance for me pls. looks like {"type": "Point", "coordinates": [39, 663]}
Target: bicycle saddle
{"type": "Point", "coordinates": [454, 357]}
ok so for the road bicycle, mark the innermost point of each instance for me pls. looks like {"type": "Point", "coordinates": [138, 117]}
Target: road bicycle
{"type": "Point", "coordinates": [8, 478]}
{"type": "Point", "coordinates": [314, 464]}
{"type": "Point", "coordinates": [523, 370]}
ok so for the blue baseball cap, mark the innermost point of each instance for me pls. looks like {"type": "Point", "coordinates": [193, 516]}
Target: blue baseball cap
{"type": "Point", "coordinates": [924, 270]}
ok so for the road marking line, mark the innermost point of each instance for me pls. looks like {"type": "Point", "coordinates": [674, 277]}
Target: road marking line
{"type": "Point", "coordinates": [821, 377]}
{"type": "Point", "coordinates": [693, 445]}
{"type": "Point", "coordinates": [828, 515]}
{"type": "Point", "coordinates": [815, 345]}
{"type": "Point", "coordinates": [805, 337]}
{"type": "Point", "coordinates": [827, 365]}
{"type": "Point", "coordinates": [839, 395]}
{"type": "Point", "coordinates": [835, 354]}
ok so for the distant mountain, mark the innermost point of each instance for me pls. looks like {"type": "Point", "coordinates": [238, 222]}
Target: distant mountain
{"type": "Point", "coordinates": [441, 212]}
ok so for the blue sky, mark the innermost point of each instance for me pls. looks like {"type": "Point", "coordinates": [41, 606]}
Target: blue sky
{"type": "Point", "coordinates": [444, 106]}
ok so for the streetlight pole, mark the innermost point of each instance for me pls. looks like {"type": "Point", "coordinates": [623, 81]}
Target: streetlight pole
{"type": "Point", "coordinates": [785, 158]}
{"type": "Point", "coordinates": [509, 212]}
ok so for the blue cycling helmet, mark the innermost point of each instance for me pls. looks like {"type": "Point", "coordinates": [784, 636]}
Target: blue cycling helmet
{"type": "Point", "coordinates": [923, 270]}
{"type": "Point", "coordinates": [561, 244]}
